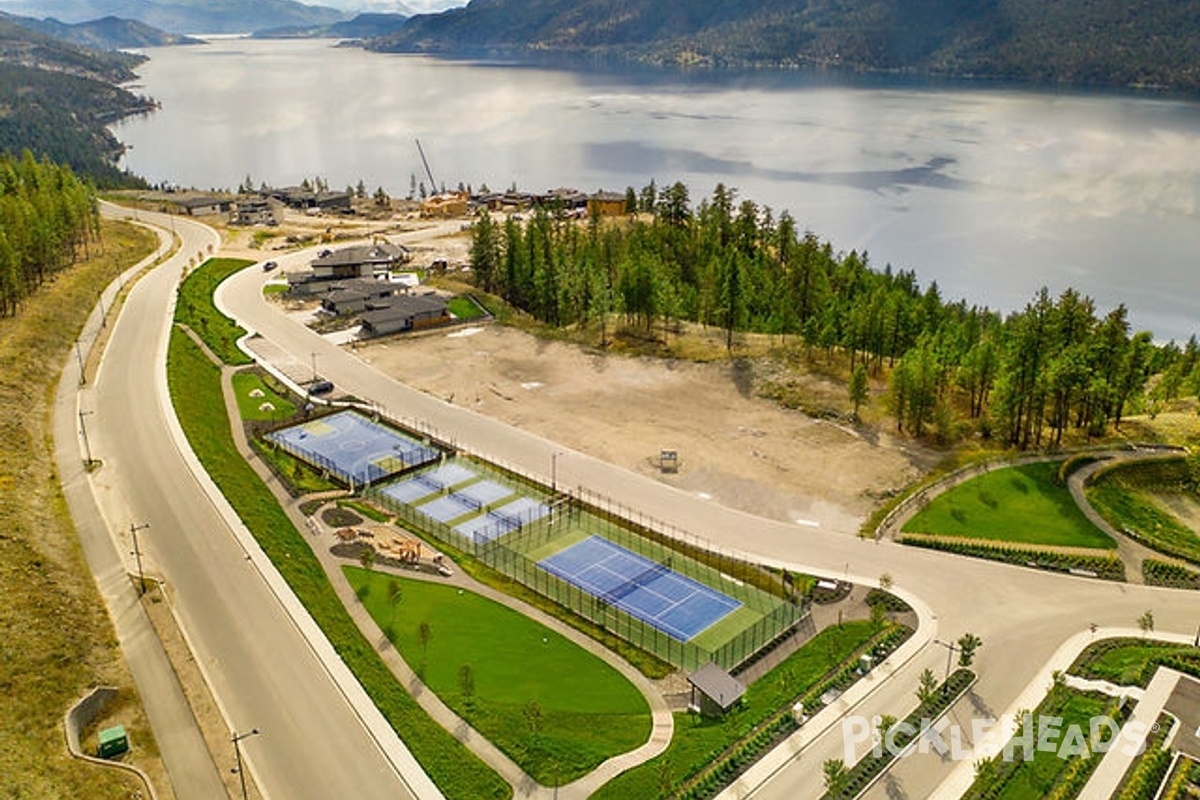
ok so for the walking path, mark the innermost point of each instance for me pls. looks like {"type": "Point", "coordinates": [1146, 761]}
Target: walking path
{"type": "Point", "coordinates": [1116, 762]}
{"type": "Point", "coordinates": [523, 785]}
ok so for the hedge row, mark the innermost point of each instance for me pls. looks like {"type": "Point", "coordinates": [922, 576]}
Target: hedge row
{"type": "Point", "coordinates": [888, 601]}
{"type": "Point", "coordinates": [1164, 573]}
{"type": "Point", "coordinates": [1148, 771]}
{"type": "Point", "coordinates": [1107, 566]}
{"type": "Point", "coordinates": [871, 766]}
{"type": "Point", "coordinates": [725, 767]}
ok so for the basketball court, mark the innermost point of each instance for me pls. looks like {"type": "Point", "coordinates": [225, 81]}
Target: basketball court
{"type": "Point", "coordinates": [353, 447]}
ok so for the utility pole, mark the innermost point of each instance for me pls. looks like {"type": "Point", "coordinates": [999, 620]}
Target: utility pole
{"type": "Point", "coordinates": [79, 358]}
{"type": "Point", "coordinates": [137, 554]}
{"type": "Point", "coordinates": [314, 366]}
{"type": "Point", "coordinates": [87, 447]}
{"type": "Point", "coordinates": [237, 751]}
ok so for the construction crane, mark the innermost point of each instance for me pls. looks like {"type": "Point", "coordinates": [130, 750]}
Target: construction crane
{"type": "Point", "coordinates": [432, 183]}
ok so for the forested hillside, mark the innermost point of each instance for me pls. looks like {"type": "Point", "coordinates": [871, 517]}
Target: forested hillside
{"type": "Point", "coordinates": [1086, 42]}
{"type": "Point", "coordinates": [56, 100]}
{"type": "Point", "coordinates": [47, 218]}
{"type": "Point", "coordinates": [1057, 366]}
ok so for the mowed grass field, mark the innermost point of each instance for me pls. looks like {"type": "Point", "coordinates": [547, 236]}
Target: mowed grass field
{"type": "Point", "coordinates": [56, 640]}
{"type": "Point", "coordinates": [250, 404]}
{"type": "Point", "coordinates": [1021, 504]}
{"type": "Point", "coordinates": [554, 708]}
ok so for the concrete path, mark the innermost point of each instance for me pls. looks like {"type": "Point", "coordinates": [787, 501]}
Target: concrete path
{"type": "Point", "coordinates": [1132, 553]}
{"type": "Point", "coordinates": [1116, 762]}
{"type": "Point", "coordinates": [321, 539]}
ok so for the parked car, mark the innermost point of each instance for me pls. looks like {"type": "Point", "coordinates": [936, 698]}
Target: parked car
{"type": "Point", "coordinates": [320, 387]}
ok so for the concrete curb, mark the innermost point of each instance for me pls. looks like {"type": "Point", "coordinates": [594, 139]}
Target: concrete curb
{"type": "Point", "coordinates": [84, 713]}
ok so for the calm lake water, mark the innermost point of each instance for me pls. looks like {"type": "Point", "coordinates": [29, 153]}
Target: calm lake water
{"type": "Point", "coordinates": [992, 192]}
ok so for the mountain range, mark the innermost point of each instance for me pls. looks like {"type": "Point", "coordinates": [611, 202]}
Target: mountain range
{"type": "Point", "coordinates": [106, 33]}
{"type": "Point", "coordinates": [184, 16]}
{"type": "Point", "coordinates": [1079, 42]}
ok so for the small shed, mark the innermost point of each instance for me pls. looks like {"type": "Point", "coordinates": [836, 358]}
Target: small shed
{"type": "Point", "coordinates": [714, 691]}
{"type": "Point", "coordinates": [113, 742]}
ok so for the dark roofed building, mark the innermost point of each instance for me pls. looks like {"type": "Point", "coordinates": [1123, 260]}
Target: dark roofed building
{"type": "Point", "coordinates": [203, 206]}
{"type": "Point", "coordinates": [362, 261]}
{"type": "Point", "coordinates": [253, 211]}
{"type": "Point", "coordinates": [606, 204]}
{"type": "Point", "coordinates": [405, 313]}
{"type": "Point", "coordinates": [300, 198]}
{"type": "Point", "coordinates": [714, 691]}
{"type": "Point", "coordinates": [353, 296]}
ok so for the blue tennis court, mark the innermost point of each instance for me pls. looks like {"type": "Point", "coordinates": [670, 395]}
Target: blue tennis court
{"type": "Point", "coordinates": [642, 588]}
{"type": "Point", "coordinates": [353, 447]}
{"type": "Point", "coordinates": [485, 492]}
{"type": "Point", "coordinates": [499, 521]}
{"type": "Point", "coordinates": [447, 507]}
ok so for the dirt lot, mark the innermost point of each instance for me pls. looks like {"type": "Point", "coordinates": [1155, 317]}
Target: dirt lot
{"type": "Point", "coordinates": [734, 447]}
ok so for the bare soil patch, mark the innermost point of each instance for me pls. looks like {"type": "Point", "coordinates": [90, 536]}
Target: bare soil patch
{"type": "Point", "coordinates": [735, 447]}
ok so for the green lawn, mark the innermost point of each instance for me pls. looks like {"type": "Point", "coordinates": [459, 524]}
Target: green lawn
{"type": "Point", "coordinates": [195, 308]}
{"type": "Point", "coordinates": [1033, 779]}
{"type": "Point", "coordinates": [588, 711]}
{"type": "Point", "coordinates": [248, 384]}
{"type": "Point", "coordinates": [698, 741]}
{"type": "Point", "coordinates": [464, 307]}
{"type": "Point", "coordinates": [1131, 508]}
{"type": "Point", "coordinates": [1129, 662]}
{"type": "Point", "coordinates": [1015, 504]}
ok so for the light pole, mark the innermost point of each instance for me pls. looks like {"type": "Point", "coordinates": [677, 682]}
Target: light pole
{"type": "Point", "coordinates": [137, 554]}
{"type": "Point", "coordinates": [237, 752]}
{"type": "Point", "coordinates": [87, 447]}
{"type": "Point", "coordinates": [950, 649]}
{"type": "Point", "coordinates": [314, 366]}
{"type": "Point", "coordinates": [79, 358]}
{"type": "Point", "coordinates": [554, 471]}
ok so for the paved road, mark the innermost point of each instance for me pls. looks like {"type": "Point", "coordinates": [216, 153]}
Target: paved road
{"type": "Point", "coordinates": [263, 672]}
{"type": "Point", "coordinates": [1021, 615]}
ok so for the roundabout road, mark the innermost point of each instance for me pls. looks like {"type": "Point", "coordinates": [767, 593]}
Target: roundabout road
{"type": "Point", "coordinates": [1023, 616]}
{"type": "Point", "coordinates": [246, 635]}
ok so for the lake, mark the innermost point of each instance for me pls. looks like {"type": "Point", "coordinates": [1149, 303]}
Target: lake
{"type": "Point", "coordinates": [991, 191]}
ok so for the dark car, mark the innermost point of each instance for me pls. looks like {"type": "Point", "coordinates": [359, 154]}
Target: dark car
{"type": "Point", "coordinates": [321, 387]}
{"type": "Point", "coordinates": [269, 265]}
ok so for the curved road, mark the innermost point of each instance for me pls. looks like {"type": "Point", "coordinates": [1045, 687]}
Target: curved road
{"type": "Point", "coordinates": [1021, 615]}
{"type": "Point", "coordinates": [244, 632]}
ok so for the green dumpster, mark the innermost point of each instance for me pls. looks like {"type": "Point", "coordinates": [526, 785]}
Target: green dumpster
{"type": "Point", "coordinates": [113, 741]}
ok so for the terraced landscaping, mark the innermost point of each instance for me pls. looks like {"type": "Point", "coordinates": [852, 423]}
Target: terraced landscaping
{"type": "Point", "coordinates": [1021, 504]}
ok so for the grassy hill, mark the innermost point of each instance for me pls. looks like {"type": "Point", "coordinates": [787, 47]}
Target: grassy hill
{"type": "Point", "coordinates": [1083, 42]}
